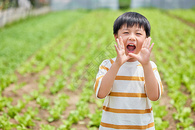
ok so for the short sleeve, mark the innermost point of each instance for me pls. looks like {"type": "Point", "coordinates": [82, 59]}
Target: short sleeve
{"type": "Point", "coordinates": [103, 69]}
{"type": "Point", "coordinates": [157, 75]}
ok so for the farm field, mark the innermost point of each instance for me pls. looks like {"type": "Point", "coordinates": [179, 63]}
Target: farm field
{"type": "Point", "coordinates": [21, 39]}
{"type": "Point", "coordinates": [48, 70]}
{"type": "Point", "coordinates": [184, 14]}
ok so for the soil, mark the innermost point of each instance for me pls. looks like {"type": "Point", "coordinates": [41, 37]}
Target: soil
{"type": "Point", "coordinates": [31, 83]}
{"type": "Point", "coordinates": [165, 101]}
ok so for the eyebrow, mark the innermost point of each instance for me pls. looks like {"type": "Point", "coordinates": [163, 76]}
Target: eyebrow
{"type": "Point", "coordinates": [139, 29]}
{"type": "Point", "coordinates": [125, 29]}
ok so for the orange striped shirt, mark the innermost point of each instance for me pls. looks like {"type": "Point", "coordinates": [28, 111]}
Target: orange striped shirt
{"type": "Point", "coordinates": [127, 105]}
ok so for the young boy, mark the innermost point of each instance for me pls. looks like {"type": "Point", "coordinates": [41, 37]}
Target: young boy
{"type": "Point", "coordinates": [129, 81]}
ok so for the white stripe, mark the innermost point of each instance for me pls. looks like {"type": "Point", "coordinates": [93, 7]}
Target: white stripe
{"type": "Point", "coordinates": [105, 128]}
{"type": "Point", "coordinates": [122, 103]}
{"type": "Point", "coordinates": [120, 119]}
{"type": "Point", "coordinates": [128, 86]}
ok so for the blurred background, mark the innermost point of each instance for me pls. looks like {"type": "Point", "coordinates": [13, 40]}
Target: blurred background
{"type": "Point", "coordinates": [50, 52]}
{"type": "Point", "coordinates": [15, 9]}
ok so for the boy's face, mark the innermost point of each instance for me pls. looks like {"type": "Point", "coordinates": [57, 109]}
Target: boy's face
{"type": "Point", "coordinates": [133, 38]}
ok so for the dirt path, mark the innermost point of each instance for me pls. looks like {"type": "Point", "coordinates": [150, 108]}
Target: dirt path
{"type": "Point", "coordinates": [165, 101]}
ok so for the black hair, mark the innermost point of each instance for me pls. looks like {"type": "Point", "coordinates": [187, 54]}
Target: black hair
{"type": "Point", "coordinates": [131, 19]}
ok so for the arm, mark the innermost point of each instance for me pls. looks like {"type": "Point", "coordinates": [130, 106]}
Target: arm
{"type": "Point", "coordinates": [151, 84]}
{"type": "Point", "coordinates": [109, 77]}
{"type": "Point", "coordinates": [108, 80]}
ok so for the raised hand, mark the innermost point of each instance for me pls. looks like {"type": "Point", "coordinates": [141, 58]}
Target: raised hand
{"type": "Point", "coordinates": [144, 55]}
{"type": "Point", "coordinates": [120, 49]}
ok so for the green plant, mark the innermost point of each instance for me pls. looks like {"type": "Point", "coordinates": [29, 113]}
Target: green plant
{"type": "Point", "coordinates": [25, 120]}
{"type": "Point", "coordinates": [124, 4]}
{"type": "Point", "coordinates": [95, 118]}
{"type": "Point", "coordinates": [43, 102]}
{"type": "Point", "coordinates": [13, 110]}
{"type": "Point", "coordinates": [47, 127]}
{"type": "Point", "coordinates": [5, 123]}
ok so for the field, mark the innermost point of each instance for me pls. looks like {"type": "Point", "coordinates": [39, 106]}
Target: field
{"type": "Point", "coordinates": [48, 66]}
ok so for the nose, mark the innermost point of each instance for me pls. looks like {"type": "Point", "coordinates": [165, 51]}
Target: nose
{"type": "Point", "coordinates": [132, 38]}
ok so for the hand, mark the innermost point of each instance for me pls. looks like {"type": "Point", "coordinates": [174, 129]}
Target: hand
{"type": "Point", "coordinates": [144, 55]}
{"type": "Point", "coordinates": [120, 49]}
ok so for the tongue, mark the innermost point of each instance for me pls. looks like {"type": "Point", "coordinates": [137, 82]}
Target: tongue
{"type": "Point", "coordinates": [130, 48]}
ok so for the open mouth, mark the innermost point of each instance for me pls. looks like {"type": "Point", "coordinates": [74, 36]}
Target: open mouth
{"type": "Point", "coordinates": [131, 48]}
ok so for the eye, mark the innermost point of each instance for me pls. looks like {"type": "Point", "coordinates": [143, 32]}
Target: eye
{"type": "Point", "coordinates": [125, 32]}
{"type": "Point", "coordinates": [138, 33]}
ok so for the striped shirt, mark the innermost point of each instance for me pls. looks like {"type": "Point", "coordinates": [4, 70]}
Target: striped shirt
{"type": "Point", "coordinates": [127, 105]}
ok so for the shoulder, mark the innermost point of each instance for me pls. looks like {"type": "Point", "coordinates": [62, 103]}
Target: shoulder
{"type": "Point", "coordinates": [108, 62]}
{"type": "Point", "coordinates": [153, 64]}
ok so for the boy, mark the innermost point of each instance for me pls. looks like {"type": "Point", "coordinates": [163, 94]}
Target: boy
{"type": "Point", "coordinates": [129, 81]}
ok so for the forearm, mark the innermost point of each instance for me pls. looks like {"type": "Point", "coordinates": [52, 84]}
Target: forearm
{"type": "Point", "coordinates": [108, 80]}
{"type": "Point", "coordinates": [151, 83]}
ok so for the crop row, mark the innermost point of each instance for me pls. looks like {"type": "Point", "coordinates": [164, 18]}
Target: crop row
{"type": "Point", "coordinates": [187, 14]}
{"type": "Point", "coordinates": [22, 39]}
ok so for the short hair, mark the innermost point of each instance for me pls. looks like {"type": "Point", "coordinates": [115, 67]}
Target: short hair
{"type": "Point", "coordinates": [131, 19]}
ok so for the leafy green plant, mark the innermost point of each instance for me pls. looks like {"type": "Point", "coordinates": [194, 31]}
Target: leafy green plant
{"type": "Point", "coordinates": [6, 80]}
{"type": "Point", "coordinates": [32, 112]}
{"type": "Point", "coordinates": [5, 123]}
{"type": "Point", "coordinates": [25, 120]}
{"type": "Point", "coordinates": [13, 110]}
{"type": "Point", "coordinates": [160, 124]}
{"type": "Point", "coordinates": [27, 98]}
{"type": "Point", "coordinates": [59, 107]}
{"type": "Point", "coordinates": [47, 127]}
{"type": "Point", "coordinates": [4, 102]}
{"type": "Point", "coordinates": [58, 85]}
{"type": "Point", "coordinates": [43, 102]}
{"type": "Point", "coordinates": [95, 118]}
{"type": "Point", "coordinates": [34, 94]}
{"type": "Point", "coordinates": [183, 117]}
{"type": "Point", "coordinates": [18, 86]}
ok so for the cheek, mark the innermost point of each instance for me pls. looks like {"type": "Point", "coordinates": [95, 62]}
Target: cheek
{"type": "Point", "coordinates": [140, 45]}
{"type": "Point", "coordinates": [141, 42]}
{"type": "Point", "coordinates": [124, 39]}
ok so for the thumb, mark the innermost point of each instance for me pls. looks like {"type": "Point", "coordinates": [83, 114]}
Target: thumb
{"type": "Point", "coordinates": [133, 55]}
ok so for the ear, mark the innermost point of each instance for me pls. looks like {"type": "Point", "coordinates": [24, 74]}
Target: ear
{"type": "Point", "coordinates": [115, 37]}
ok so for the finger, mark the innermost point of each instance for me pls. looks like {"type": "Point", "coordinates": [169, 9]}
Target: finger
{"type": "Point", "coordinates": [116, 48]}
{"type": "Point", "coordinates": [144, 44]}
{"type": "Point", "coordinates": [133, 55]}
{"type": "Point", "coordinates": [148, 43]}
{"type": "Point", "coordinates": [121, 42]}
{"type": "Point", "coordinates": [118, 44]}
{"type": "Point", "coordinates": [150, 49]}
